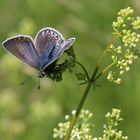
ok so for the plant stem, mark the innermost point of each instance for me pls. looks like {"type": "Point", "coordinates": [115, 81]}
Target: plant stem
{"type": "Point", "coordinates": [104, 70]}
{"type": "Point", "coordinates": [91, 81]}
{"type": "Point", "coordinates": [73, 121]}
{"type": "Point", "coordinates": [85, 71]}
{"type": "Point", "coordinates": [103, 55]}
{"type": "Point", "coordinates": [75, 117]}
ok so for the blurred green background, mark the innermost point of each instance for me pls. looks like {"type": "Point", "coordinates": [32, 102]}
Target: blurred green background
{"type": "Point", "coordinates": [27, 113]}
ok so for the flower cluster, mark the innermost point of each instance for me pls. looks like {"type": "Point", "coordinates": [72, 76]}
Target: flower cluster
{"type": "Point", "coordinates": [136, 23]}
{"type": "Point", "coordinates": [83, 130]}
{"type": "Point", "coordinates": [124, 53]}
{"type": "Point", "coordinates": [110, 131]}
{"type": "Point", "coordinates": [123, 16]}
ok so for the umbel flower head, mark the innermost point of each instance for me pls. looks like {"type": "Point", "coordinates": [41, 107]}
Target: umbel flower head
{"type": "Point", "coordinates": [84, 130]}
{"type": "Point", "coordinates": [125, 51]}
{"type": "Point", "coordinates": [110, 128]}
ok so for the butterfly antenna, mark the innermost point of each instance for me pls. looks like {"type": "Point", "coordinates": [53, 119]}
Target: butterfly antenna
{"type": "Point", "coordinates": [39, 84]}
{"type": "Point", "coordinates": [25, 81]}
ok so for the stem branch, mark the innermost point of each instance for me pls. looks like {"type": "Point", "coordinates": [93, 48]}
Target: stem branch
{"type": "Point", "coordinates": [75, 117]}
{"type": "Point", "coordinates": [104, 70]}
{"type": "Point", "coordinates": [85, 71]}
{"type": "Point", "coordinates": [91, 81]}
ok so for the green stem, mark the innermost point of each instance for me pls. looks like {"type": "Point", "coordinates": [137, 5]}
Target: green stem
{"type": "Point", "coordinates": [73, 121]}
{"type": "Point", "coordinates": [104, 70]}
{"type": "Point", "coordinates": [92, 80]}
{"type": "Point", "coordinates": [103, 55]}
{"type": "Point", "coordinates": [90, 83]}
{"type": "Point", "coordinates": [85, 71]}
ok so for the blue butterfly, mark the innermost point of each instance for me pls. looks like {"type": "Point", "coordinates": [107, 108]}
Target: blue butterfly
{"type": "Point", "coordinates": [41, 52]}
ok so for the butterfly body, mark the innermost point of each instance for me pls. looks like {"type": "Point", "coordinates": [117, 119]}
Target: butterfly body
{"type": "Point", "coordinates": [47, 47]}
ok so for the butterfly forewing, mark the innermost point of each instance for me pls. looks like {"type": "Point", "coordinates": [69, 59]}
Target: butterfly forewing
{"type": "Point", "coordinates": [22, 47]}
{"type": "Point", "coordinates": [58, 51]}
{"type": "Point", "coordinates": [68, 43]}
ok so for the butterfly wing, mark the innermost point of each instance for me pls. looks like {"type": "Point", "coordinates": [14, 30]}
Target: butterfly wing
{"type": "Point", "coordinates": [50, 45]}
{"type": "Point", "coordinates": [68, 43]}
{"type": "Point", "coordinates": [22, 47]}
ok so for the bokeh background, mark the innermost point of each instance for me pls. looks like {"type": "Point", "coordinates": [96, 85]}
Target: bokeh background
{"type": "Point", "coordinates": [27, 113]}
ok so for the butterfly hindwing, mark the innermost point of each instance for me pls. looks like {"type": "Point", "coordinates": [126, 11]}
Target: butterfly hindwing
{"type": "Point", "coordinates": [50, 44]}
{"type": "Point", "coordinates": [22, 47]}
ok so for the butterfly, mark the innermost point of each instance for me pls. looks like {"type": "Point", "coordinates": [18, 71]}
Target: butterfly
{"type": "Point", "coordinates": [41, 52]}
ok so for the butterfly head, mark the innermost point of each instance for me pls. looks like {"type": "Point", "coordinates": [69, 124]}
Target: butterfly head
{"type": "Point", "coordinates": [41, 74]}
